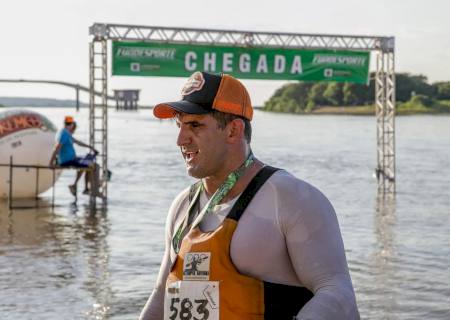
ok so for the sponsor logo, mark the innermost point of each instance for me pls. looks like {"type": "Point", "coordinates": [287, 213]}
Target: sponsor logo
{"type": "Point", "coordinates": [20, 122]}
{"type": "Point", "coordinates": [210, 293]}
{"type": "Point", "coordinates": [339, 60]}
{"type": "Point", "coordinates": [154, 53]}
{"type": "Point", "coordinates": [342, 73]}
{"type": "Point", "coordinates": [135, 67]}
{"type": "Point", "coordinates": [194, 83]}
{"type": "Point", "coordinates": [196, 266]}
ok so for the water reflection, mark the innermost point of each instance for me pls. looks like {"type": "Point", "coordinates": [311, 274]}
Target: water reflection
{"type": "Point", "coordinates": [62, 254]}
{"type": "Point", "coordinates": [95, 230]}
{"type": "Point", "coordinates": [384, 256]}
{"type": "Point", "coordinates": [385, 220]}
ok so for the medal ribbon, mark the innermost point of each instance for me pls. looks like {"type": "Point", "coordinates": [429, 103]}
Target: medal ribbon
{"type": "Point", "coordinates": [218, 196]}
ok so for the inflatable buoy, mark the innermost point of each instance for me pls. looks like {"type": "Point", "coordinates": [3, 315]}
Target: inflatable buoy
{"type": "Point", "coordinates": [28, 137]}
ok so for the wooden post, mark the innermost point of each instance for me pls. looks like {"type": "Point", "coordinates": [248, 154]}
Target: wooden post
{"type": "Point", "coordinates": [10, 182]}
{"type": "Point", "coordinates": [37, 188]}
{"type": "Point", "coordinates": [53, 190]}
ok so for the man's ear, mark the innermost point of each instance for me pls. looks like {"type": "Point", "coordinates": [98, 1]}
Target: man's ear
{"type": "Point", "coordinates": [235, 130]}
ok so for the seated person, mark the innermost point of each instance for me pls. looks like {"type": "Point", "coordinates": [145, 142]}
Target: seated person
{"type": "Point", "coordinates": [64, 153]}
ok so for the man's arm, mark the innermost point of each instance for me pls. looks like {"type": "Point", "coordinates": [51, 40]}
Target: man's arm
{"type": "Point", "coordinates": [154, 308]}
{"type": "Point", "coordinates": [317, 252]}
{"type": "Point", "coordinates": [56, 149]}
{"type": "Point", "coordinates": [80, 143]}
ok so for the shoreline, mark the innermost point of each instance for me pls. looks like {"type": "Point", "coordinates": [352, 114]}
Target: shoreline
{"type": "Point", "coordinates": [362, 111]}
{"type": "Point", "coordinates": [344, 111]}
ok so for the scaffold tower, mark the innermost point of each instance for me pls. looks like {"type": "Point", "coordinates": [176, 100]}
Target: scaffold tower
{"type": "Point", "coordinates": [383, 47]}
{"type": "Point", "coordinates": [98, 112]}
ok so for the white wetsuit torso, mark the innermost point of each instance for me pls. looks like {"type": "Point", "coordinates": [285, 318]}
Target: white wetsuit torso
{"type": "Point", "coordinates": [289, 234]}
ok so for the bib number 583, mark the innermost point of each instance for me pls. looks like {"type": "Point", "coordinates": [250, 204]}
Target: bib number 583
{"type": "Point", "coordinates": [192, 300]}
{"type": "Point", "coordinates": [182, 310]}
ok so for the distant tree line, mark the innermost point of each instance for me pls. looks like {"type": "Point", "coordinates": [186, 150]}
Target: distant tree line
{"type": "Point", "coordinates": [301, 97]}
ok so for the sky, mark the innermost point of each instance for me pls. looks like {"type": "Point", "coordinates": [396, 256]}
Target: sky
{"type": "Point", "coordinates": [49, 39]}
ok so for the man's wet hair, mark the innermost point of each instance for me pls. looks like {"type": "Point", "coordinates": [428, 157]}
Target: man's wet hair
{"type": "Point", "coordinates": [223, 119]}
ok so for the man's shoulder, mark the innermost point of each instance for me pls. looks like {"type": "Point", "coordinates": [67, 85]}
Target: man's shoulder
{"type": "Point", "coordinates": [285, 184]}
{"type": "Point", "coordinates": [181, 196]}
{"type": "Point", "coordinates": [283, 179]}
{"type": "Point", "coordinates": [180, 201]}
{"type": "Point", "coordinates": [294, 197]}
{"type": "Point", "coordinates": [62, 134]}
{"type": "Point", "coordinates": [62, 131]}
{"type": "Point", "coordinates": [177, 209]}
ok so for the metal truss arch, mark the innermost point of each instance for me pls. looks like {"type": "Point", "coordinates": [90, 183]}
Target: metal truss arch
{"type": "Point", "coordinates": [240, 38]}
{"type": "Point", "coordinates": [384, 48]}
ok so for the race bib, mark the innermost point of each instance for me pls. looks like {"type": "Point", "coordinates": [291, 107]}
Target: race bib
{"type": "Point", "coordinates": [196, 300]}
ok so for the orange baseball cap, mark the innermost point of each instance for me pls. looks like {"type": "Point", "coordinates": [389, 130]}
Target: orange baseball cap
{"type": "Point", "coordinates": [204, 92]}
{"type": "Point", "coordinates": [68, 119]}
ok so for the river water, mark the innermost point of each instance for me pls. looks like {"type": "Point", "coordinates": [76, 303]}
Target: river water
{"type": "Point", "coordinates": [71, 264]}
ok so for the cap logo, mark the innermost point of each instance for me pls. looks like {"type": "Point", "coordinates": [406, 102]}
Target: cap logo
{"type": "Point", "coordinates": [194, 83]}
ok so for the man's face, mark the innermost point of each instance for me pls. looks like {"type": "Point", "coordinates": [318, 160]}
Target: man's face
{"type": "Point", "coordinates": [71, 127]}
{"type": "Point", "coordinates": [203, 145]}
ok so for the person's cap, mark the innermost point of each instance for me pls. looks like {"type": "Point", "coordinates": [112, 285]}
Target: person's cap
{"type": "Point", "coordinates": [68, 120]}
{"type": "Point", "coordinates": [205, 92]}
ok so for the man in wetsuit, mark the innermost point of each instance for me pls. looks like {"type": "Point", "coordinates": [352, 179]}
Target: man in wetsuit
{"type": "Point", "coordinates": [271, 242]}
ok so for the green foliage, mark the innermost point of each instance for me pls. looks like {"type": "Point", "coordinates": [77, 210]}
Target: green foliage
{"type": "Point", "coordinates": [422, 100]}
{"type": "Point", "coordinates": [354, 94]}
{"type": "Point", "coordinates": [409, 85]}
{"type": "Point", "coordinates": [442, 90]}
{"type": "Point", "coordinates": [334, 93]}
{"type": "Point", "coordinates": [279, 91]}
{"type": "Point", "coordinates": [282, 104]}
{"type": "Point", "coordinates": [423, 104]}
{"type": "Point", "coordinates": [412, 92]}
{"type": "Point", "coordinates": [298, 92]}
{"type": "Point", "coordinates": [445, 103]}
{"type": "Point", "coordinates": [316, 95]}
{"type": "Point", "coordinates": [292, 98]}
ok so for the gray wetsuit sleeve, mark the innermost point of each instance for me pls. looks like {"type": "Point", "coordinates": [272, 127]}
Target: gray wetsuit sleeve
{"type": "Point", "coordinates": [317, 253]}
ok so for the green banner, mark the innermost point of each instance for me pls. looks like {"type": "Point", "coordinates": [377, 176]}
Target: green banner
{"type": "Point", "coordinates": [175, 60]}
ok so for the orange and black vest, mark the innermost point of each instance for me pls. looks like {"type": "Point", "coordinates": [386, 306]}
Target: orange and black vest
{"type": "Point", "coordinates": [241, 297]}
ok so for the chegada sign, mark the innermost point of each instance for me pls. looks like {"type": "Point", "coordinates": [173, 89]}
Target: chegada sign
{"type": "Point", "coordinates": [176, 60]}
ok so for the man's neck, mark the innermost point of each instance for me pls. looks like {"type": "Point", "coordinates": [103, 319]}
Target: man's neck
{"type": "Point", "coordinates": [232, 162]}
{"type": "Point", "coordinates": [211, 184]}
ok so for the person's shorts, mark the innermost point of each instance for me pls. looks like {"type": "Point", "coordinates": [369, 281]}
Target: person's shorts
{"type": "Point", "coordinates": [79, 162]}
